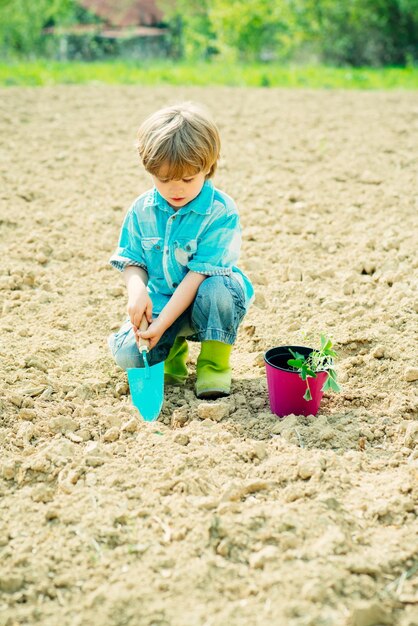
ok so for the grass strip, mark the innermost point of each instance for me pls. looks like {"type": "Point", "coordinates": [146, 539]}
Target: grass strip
{"type": "Point", "coordinates": [43, 72]}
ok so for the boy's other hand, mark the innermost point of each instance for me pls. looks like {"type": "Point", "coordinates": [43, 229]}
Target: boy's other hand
{"type": "Point", "coordinates": [139, 304]}
{"type": "Point", "coordinates": [153, 333]}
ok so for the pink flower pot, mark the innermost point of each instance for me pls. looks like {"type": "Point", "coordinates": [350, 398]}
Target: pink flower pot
{"type": "Point", "coordinates": [285, 386]}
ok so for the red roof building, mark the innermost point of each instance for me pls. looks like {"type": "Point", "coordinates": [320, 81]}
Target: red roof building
{"type": "Point", "coordinates": [130, 28]}
{"type": "Point", "coordinates": [125, 13]}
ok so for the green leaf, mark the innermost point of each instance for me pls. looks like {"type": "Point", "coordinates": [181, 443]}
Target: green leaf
{"type": "Point", "coordinates": [297, 355]}
{"type": "Point", "coordinates": [334, 385]}
{"type": "Point", "coordinates": [295, 363]}
{"type": "Point", "coordinates": [326, 385]}
{"type": "Point", "coordinates": [307, 395]}
{"type": "Point", "coordinates": [326, 344]}
{"type": "Point", "coordinates": [300, 356]}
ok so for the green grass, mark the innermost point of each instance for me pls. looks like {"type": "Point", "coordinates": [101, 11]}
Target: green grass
{"type": "Point", "coordinates": [42, 72]}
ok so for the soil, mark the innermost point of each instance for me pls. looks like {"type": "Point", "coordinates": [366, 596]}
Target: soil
{"type": "Point", "coordinates": [219, 514]}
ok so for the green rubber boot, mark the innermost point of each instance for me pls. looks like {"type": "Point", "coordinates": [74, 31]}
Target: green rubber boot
{"type": "Point", "coordinates": [175, 367]}
{"type": "Point", "coordinates": [213, 370]}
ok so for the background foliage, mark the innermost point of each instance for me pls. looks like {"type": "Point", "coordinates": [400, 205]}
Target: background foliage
{"type": "Point", "coordinates": [22, 23]}
{"type": "Point", "coordinates": [350, 32]}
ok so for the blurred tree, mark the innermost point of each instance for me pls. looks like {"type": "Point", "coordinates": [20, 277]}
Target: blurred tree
{"type": "Point", "coordinates": [354, 32]}
{"type": "Point", "coordinates": [251, 29]}
{"type": "Point", "coordinates": [192, 33]}
{"type": "Point", "coordinates": [22, 23]}
{"type": "Point", "coordinates": [359, 32]}
{"type": "Point", "coordinates": [237, 29]}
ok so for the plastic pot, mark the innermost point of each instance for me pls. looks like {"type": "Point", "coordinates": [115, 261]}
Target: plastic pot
{"type": "Point", "coordinates": [285, 386]}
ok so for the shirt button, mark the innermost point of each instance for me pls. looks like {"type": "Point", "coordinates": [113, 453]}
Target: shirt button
{"type": "Point", "coordinates": [175, 284]}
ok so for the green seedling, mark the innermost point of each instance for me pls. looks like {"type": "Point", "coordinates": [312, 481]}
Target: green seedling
{"type": "Point", "coordinates": [321, 360]}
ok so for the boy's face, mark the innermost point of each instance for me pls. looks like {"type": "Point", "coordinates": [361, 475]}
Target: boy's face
{"type": "Point", "coordinates": [178, 193]}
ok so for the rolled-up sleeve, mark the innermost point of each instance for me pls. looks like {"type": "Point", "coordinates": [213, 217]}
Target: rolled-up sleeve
{"type": "Point", "coordinates": [129, 250]}
{"type": "Point", "coordinates": [218, 247]}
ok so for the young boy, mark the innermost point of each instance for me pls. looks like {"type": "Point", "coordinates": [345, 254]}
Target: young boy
{"type": "Point", "coordinates": [178, 248]}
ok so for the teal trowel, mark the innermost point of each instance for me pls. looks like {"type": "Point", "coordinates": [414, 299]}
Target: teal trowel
{"type": "Point", "coordinates": [147, 383]}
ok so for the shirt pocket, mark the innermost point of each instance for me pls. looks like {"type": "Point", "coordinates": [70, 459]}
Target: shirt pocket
{"type": "Point", "coordinates": [184, 250]}
{"type": "Point", "coordinates": [153, 248]}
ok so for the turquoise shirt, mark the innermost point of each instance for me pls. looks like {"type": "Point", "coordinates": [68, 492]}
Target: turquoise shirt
{"type": "Point", "coordinates": [204, 236]}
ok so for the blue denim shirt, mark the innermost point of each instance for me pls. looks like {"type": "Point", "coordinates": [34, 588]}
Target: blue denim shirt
{"type": "Point", "coordinates": [204, 236]}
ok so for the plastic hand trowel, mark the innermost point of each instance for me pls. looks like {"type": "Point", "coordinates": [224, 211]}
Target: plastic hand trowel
{"type": "Point", "coordinates": [147, 383]}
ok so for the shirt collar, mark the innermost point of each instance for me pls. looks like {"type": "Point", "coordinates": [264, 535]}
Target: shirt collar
{"type": "Point", "coordinates": [202, 204]}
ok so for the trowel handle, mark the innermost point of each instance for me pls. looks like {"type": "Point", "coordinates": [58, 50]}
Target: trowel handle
{"type": "Point", "coordinates": [143, 344]}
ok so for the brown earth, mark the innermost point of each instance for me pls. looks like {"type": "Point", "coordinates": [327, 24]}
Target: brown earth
{"type": "Point", "coordinates": [248, 521]}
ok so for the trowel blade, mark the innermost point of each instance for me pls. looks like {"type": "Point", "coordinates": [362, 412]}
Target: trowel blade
{"type": "Point", "coordinates": [147, 389]}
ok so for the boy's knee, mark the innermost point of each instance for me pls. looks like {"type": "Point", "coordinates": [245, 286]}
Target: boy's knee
{"type": "Point", "coordinates": [214, 290]}
{"type": "Point", "coordinates": [127, 359]}
{"type": "Point", "coordinates": [124, 351]}
{"type": "Point", "coordinates": [214, 287]}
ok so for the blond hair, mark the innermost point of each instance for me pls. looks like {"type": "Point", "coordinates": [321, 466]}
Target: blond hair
{"type": "Point", "coordinates": [182, 138]}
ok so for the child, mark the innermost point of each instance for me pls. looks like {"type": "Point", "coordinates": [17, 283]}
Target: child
{"type": "Point", "coordinates": [177, 249]}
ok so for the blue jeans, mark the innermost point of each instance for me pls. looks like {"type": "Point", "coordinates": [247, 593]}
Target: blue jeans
{"type": "Point", "coordinates": [215, 314]}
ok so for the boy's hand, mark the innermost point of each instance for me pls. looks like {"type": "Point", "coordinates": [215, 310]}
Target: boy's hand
{"type": "Point", "coordinates": [153, 333]}
{"type": "Point", "coordinates": [139, 304]}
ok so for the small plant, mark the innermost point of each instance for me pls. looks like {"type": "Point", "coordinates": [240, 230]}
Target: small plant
{"type": "Point", "coordinates": [321, 360]}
